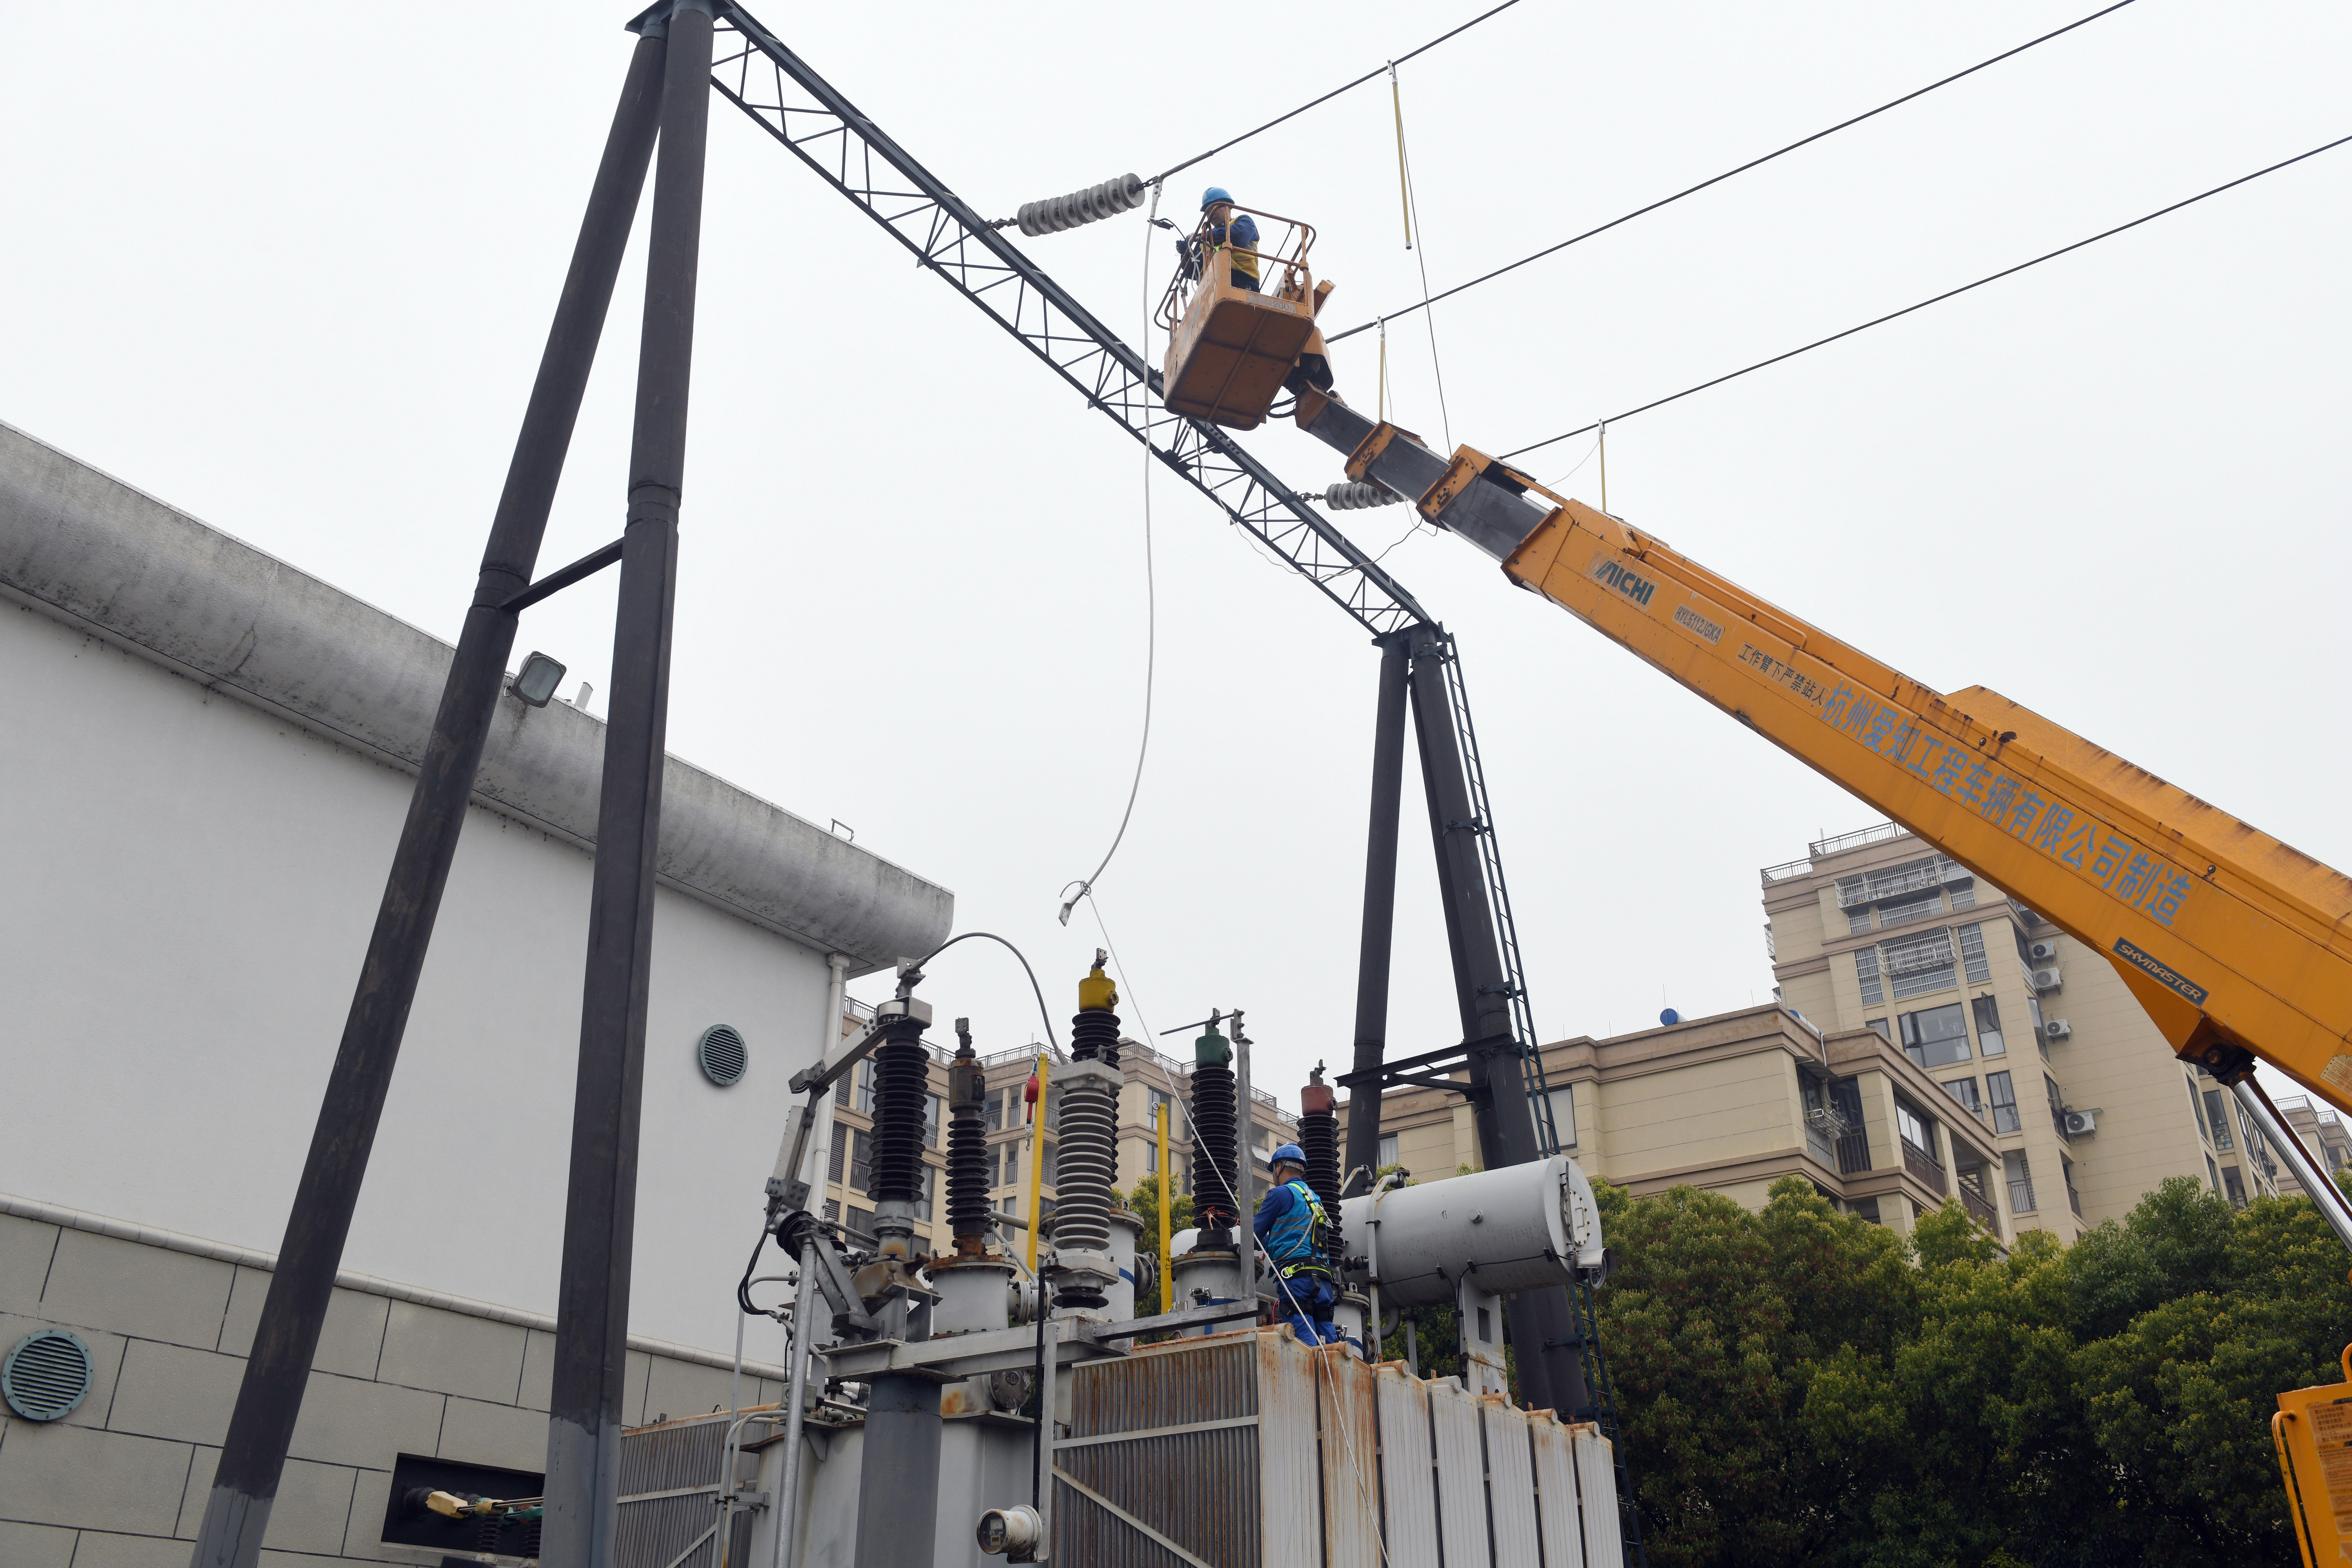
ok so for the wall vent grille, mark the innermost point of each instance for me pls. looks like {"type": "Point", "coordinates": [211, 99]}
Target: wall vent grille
{"type": "Point", "coordinates": [45, 1376]}
{"type": "Point", "coordinates": [722, 1055]}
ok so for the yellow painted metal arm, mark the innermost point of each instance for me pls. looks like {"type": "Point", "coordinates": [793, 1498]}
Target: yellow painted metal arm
{"type": "Point", "coordinates": [2229, 938]}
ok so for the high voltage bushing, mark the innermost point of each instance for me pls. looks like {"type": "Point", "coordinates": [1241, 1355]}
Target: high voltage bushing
{"type": "Point", "coordinates": [1318, 1140]}
{"type": "Point", "coordinates": [1092, 205]}
{"type": "Point", "coordinates": [898, 1079]}
{"type": "Point", "coordinates": [1355, 495]}
{"type": "Point", "coordinates": [1213, 1132]}
{"type": "Point", "coordinates": [1088, 1160]}
{"type": "Point", "coordinates": [967, 1146]}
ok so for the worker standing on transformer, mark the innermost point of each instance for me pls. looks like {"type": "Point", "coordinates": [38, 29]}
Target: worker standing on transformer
{"type": "Point", "coordinates": [1293, 1227]}
{"type": "Point", "coordinates": [1233, 232]}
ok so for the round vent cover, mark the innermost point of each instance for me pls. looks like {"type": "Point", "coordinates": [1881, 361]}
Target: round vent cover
{"type": "Point", "coordinates": [46, 1376]}
{"type": "Point", "coordinates": [721, 1052]}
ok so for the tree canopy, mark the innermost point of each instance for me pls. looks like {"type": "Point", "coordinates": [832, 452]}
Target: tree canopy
{"type": "Point", "coordinates": [1797, 1386]}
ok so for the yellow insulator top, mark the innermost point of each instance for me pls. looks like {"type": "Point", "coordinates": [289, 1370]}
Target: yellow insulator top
{"type": "Point", "coordinates": [1097, 994]}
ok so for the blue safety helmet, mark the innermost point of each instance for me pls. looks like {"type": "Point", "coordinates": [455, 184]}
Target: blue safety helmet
{"type": "Point", "coordinates": [1214, 195]}
{"type": "Point", "coordinates": [1290, 1151]}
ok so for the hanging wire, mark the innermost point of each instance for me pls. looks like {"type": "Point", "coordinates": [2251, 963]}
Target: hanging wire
{"type": "Point", "coordinates": [1933, 300]}
{"type": "Point", "coordinates": [1150, 603]}
{"type": "Point", "coordinates": [1751, 163]}
{"type": "Point", "coordinates": [1421, 257]}
{"type": "Point", "coordinates": [1335, 92]}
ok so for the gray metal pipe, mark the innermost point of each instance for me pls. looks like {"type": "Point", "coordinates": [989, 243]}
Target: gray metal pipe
{"type": "Point", "coordinates": [253, 1455]}
{"type": "Point", "coordinates": [592, 1320]}
{"type": "Point", "coordinates": [898, 1489]}
{"type": "Point", "coordinates": [788, 1505]}
{"type": "Point", "coordinates": [2333, 1206]}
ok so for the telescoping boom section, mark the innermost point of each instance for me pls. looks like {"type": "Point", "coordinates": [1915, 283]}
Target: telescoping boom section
{"type": "Point", "coordinates": [2234, 942]}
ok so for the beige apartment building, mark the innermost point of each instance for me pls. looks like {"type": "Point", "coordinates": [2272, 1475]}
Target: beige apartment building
{"type": "Point", "coordinates": [2031, 1040]}
{"type": "Point", "coordinates": [1153, 1079]}
{"type": "Point", "coordinates": [2322, 1133]}
{"type": "Point", "coordinates": [1733, 1103]}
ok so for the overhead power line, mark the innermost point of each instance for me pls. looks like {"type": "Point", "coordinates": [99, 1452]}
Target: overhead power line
{"type": "Point", "coordinates": [1946, 294]}
{"type": "Point", "coordinates": [1727, 174]}
{"type": "Point", "coordinates": [1382, 69]}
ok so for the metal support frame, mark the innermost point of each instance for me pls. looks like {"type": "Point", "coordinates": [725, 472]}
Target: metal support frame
{"type": "Point", "coordinates": [1379, 905]}
{"type": "Point", "coordinates": [253, 1456]}
{"type": "Point", "coordinates": [591, 1321]}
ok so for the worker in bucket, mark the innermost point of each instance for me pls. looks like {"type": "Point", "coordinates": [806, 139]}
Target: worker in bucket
{"type": "Point", "coordinates": [1234, 234]}
{"type": "Point", "coordinates": [1293, 1229]}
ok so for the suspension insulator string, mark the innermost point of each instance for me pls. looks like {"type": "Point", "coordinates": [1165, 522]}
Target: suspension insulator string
{"type": "Point", "coordinates": [1092, 205]}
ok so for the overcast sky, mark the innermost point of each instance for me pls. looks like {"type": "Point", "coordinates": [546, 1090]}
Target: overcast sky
{"type": "Point", "coordinates": [290, 269]}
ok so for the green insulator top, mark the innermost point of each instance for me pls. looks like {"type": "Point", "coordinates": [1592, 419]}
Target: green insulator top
{"type": "Point", "coordinates": [1212, 1050]}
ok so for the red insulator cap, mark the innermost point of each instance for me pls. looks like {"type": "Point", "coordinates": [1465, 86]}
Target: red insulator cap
{"type": "Point", "coordinates": [1316, 1100]}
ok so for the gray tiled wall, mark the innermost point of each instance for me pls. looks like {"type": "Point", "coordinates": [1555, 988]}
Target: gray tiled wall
{"type": "Point", "coordinates": [121, 1482]}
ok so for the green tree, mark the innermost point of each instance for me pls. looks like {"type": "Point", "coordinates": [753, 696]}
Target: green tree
{"type": "Point", "coordinates": [1143, 1203]}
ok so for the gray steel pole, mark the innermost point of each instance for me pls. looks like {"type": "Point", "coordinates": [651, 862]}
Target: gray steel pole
{"type": "Point", "coordinates": [1380, 904]}
{"type": "Point", "coordinates": [788, 1503]}
{"type": "Point", "coordinates": [583, 1434]}
{"type": "Point", "coordinates": [898, 1497]}
{"type": "Point", "coordinates": [1541, 1324]}
{"type": "Point", "coordinates": [253, 1456]}
{"type": "Point", "coordinates": [2318, 1184]}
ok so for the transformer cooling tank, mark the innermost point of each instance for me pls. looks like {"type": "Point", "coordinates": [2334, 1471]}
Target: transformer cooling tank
{"type": "Point", "coordinates": [1515, 1228]}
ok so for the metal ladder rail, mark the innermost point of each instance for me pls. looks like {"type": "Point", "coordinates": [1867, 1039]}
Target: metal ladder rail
{"type": "Point", "coordinates": [1604, 1415]}
{"type": "Point", "coordinates": [1498, 900]}
{"type": "Point", "coordinates": [779, 93]}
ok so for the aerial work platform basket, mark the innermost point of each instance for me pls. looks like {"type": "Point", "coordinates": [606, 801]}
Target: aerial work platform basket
{"type": "Point", "coordinates": [1232, 349]}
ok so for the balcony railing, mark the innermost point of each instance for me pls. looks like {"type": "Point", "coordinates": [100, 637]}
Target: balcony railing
{"type": "Point", "coordinates": [1980, 1211]}
{"type": "Point", "coordinates": [1922, 1165]}
{"type": "Point", "coordinates": [1853, 1154]}
{"type": "Point", "coordinates": [1782, 872]}
{"type": "Point", "coordinates": [1870, 890]}
{"type": "Point", "coordinates": [1856, 839]}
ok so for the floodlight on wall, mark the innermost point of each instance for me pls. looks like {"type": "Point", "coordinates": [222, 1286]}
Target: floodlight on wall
{"type": "Point", "coordinates": [539, 677]}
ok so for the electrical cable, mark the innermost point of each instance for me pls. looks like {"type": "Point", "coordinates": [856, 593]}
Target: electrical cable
{"type": "Point", "coordinates": [1751, 163]}
{"type": "Point", "coordinates": [1017, 953]}
{"type": "Point", "coordinates": [1150, 607]}
{"type": "Point", "coordinates": [1946, 294]}
{"type": "Point", "coordinates": [1421, 259]}
{"type": "Point", "coordinates": [1335, 92]}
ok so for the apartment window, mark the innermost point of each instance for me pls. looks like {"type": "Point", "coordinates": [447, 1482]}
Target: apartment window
{"type": "Point", "coordinates": [841, 1090]}
{"type": "Point", "coordinates": [2074, 1198]}
{"type": "Point", "coordinates": [1964, 1090]}
{"type": "Point", "coordinates": [1865, 1210]}
{"type": "Point", "coordinates": [1054, 1105]}
{"type": "Point", "coordinates": [1914, 1129]}
{"type": "Point", "coordinates": [2003, 1097]}
{"type": "Point", "coordinates": [1562, 1102]}
{"type": "Point", "coordinates": [839, 1152]}
{"type": "Point", "coordinates": [1388, 1155]}
{"type": "Point", "coordinates": [1047, 1179]}
{"type": "Point", "coordinates": [1964, 895]}
{"type": "Point", "coordinates": [2033, 1006]}
{"type": "Point", "coordinates": [833, 1208]}
{"type": "Point", "coordinates": [1911, 909]}
{"type": "Point", "coordinates": [931, 1191]}
{"type": "Point", "coordinates": [1972, 955]}
{"type": "Point", "coordinates": [2024, 954]}
{"type": "Point", "coordinates": [992, 1114]}
{"type": "Point", "coordinates": [1857, 919]}
{"type": "Point", "coordinates": [866, 1086]}
{"type": "Point", "coordinates": [1987, 1014]}
{"type": "Point", "coordinates": [2218, 1120]}
{"type": "Point", "coordinates": [1008, 1160]}
{"type": "Point", "coordinates": [932, 1108]}
{"type": "Point", "coordinates": [861, 1159]}
{"type": "Point", "coordinates": [2057, 1108]}
{"type": "Point", "coordinates": [1921, 966]}
{"type": "Point", "coordinates": [1865, 972]}
{"type": "Point", "coordinates": [2213, 1172]}
{"type": "Point", "coordinates": [861, 1220]}
{"type": "Point", "coordinates": [1936, 1037]}
{"type": "Point", "coordinates": [1160, 1097]}
{"type": "Point", "coordinates": [2197, 1110]}
{"type": "Point", "coordinates": [1151, 1156]}
{"type": "Point", "coordinates": [1881, 1025]}
{"type": "Point", "coordinates": [2020, 1182]}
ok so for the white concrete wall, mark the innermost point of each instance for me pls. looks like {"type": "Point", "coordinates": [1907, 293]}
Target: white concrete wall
{"type": "Point", "coordinates": [190, 884]}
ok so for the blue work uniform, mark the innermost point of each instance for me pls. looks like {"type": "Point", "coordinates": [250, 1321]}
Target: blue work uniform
{"type": "Point", "coordinates": [1292, 1226]}
{"type": "Point", "coordinates": [1239, 239]}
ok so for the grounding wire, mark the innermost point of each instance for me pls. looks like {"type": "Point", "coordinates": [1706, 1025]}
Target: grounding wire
{"type": "Point", "coordinates": [1150, 604]}
{"type": "Point", "coordinates": [1349, 87]}
{"type": "Point", "coordinates": [1946, 294]}
{"type": "Point", "coordinates": [1428, 300]}
{"type": "Point", "coordinates": [1037, 989]}
{"type": "Point", "coordinates": [1420, 259]}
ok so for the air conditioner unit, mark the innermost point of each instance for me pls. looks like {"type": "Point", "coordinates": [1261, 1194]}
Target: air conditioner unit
{"type": "Point", "coordinates": [2043, 951]}
{"type": "Point", "coordinates": [2047, 980]}
{"type": "Point", "coordinates": [2056, 1029]}
{"type": "Point", "coordinates": [2078, 1123]}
